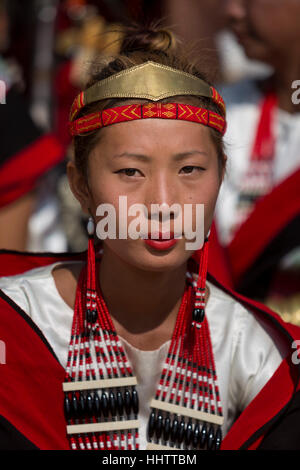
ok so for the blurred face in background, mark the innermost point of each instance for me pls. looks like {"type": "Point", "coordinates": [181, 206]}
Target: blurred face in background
{"type": "Point", "coordinates": [266, 29]}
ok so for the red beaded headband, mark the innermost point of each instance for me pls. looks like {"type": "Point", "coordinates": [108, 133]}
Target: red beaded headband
{"type": "Point", "coordinates": [150, 81]}
{"type": "Point", "coordinates": [132, 112]}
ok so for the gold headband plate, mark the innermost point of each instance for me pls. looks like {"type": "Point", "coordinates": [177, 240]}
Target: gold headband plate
{"type": "Point", "coordinates": [150, 80]}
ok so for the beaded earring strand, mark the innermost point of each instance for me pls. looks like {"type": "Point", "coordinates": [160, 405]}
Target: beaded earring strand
{"type": "Point", "coordinates": [101, 400]}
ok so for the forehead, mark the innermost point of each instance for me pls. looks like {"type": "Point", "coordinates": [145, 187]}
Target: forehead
{"type": "Point", "coordinates": [155, 134]}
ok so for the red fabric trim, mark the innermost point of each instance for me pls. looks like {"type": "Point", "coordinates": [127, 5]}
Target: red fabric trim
{"type": "Point", "coordinates": [31, 396]}
{"type": "Point", "coordinates": [262, 409]}
{"type": "Point", "coordinates": [270, 215]}
{"type": "Point", "coordinates": [255, 445]}
{"type": "Point", "coordinates": [20, 174]}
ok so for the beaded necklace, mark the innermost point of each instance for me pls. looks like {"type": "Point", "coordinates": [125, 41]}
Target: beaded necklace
{"type": "Point", "coordinates": [101, 403]}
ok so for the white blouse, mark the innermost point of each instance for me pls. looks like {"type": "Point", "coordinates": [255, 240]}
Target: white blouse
{"type": "Point", "coordinates": [246, 352]}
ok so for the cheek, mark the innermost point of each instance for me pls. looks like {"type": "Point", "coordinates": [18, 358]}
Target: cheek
{"type": "Point", "coordinates": [266, 20]}
{"type": "Point", "coordinates": [206, 193]}
{"type": "Point", "coordinates": [102, 187]}
{"type": "Point", "coordinates": [210, 201]}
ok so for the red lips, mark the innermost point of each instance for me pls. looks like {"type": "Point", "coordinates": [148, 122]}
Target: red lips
{"type": "Point", "coordinates": [160, 243]}
{"type": "Point", "coordinates": [159, 236]}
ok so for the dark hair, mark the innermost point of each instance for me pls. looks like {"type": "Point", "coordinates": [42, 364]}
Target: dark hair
{"type": "Point", "coordinates": [138, 46]}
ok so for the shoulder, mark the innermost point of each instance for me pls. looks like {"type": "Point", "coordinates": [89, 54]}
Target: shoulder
{"type": "Point", "coordinates": [227, 314]}
{"type": "Point", "coordinates": [30, 288]}
{"type": "Point", "coordinates": [20, 287]}
{"type": "Point", "coordinates": [66, 278]}
{"type": "Point", "coordinates": [247, 327]}
{"type": "Point", "coordinates": [226, 305]}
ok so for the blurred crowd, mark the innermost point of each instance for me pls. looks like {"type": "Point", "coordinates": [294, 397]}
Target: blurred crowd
{"type": "Point", "coordinates": [253, 48]}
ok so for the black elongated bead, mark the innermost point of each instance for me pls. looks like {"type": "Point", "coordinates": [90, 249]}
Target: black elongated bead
{"type": "Point", "coordinates": [189, 433]}
{"type": "Point", "coordinates": [120, 403]}
{"type": "Point", "coordinates": [151, 424]}
{"type": "Point", "coordinates": [89, 403]}
{"type": "Point", "coordinates": [75, 408]}
{"type": "Point", "coordinates": [127, 402]}
{"type": "Point", "coordinates": [196, 436]}
{"type": "Point", "coordinates": [218, 439]}
{"type": "Point", "coordinates": [210, 438]}
{"type": "Point", "coordinates": [181, 431]}
{"type": "Point", "coordinates": [104, 404]}
{"type": "Point", "coordinates": [96, 405]}
{"type": "Point", "coordinates": [88, 315]}
{"type": "Point", "coordinates": [174, 430]}
{"type": "Point", "coordinates": [94, 316]}
{"type": "Point", "coordinates": [203, 435]}
{"type": "Point", "coordinates": [112, 403]}
{"type": "Point", "coordinates": [198, 315]}
{"type": "Point", "coordinates": [135, 401]}
{"type": "Point", "coordinates": [167, 428]}
{"type": "Point", "coordinates": [159, 426]}
{"type": "Point", "coordinates": [67, 407]}
{"type": "Point", "coordinates": [81, 405]}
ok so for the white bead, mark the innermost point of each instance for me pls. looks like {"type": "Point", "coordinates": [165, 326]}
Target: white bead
{"type": "Point", "coordinates": [90, 226]}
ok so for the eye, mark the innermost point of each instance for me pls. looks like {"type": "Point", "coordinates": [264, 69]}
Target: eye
{"type": "Point", "coordinates": [190, 168]}
{"type": "Point", "coordinates": [127, 171]}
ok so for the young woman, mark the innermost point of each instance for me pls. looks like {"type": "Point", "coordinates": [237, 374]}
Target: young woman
{"type": "Point", "coordinates": [134, 348]}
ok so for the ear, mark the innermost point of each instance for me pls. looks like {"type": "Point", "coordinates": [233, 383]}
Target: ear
{"type": "Point", "coordinates": [224, 167]}
{"type": "Point", "coordinates": [79, 187]}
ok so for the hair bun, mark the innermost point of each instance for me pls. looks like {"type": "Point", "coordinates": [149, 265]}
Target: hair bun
{"type": "Point", "coordinates": [152, 39]}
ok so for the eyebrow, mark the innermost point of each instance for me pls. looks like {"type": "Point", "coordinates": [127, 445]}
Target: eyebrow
{"type": "Point", "coordinates": [177, 157]}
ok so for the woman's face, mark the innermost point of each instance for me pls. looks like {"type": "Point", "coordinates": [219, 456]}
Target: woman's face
{"type": "Point", "coordinates": [152, 161]}
{"type": "Point", "coordinates": [265, 28]}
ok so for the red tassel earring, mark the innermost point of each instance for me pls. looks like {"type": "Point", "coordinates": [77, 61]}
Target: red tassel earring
{"type": "Point", "coordinates": [91, 304]}
{"type": "Point", "coordinates": [199, 305]}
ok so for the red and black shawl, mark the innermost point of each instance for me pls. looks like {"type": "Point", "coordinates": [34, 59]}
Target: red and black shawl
{"type": "Point", "coordinates": [31, 396]}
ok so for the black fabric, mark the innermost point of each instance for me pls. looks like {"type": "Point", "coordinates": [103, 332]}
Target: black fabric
{"type": "Point", "coordinates": [12, 439]}
{"type": "Point", "coordinates": [256, 282]}
{"type": "Point", "coordinates": [286, 434]}
{"type": "Point", "coordinates": [17, 129]}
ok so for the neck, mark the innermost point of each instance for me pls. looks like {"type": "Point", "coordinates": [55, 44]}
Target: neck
{"type": "Point", "coordinates": [287, 70]}
{"type": "Point", "coordinates": [140, 301]}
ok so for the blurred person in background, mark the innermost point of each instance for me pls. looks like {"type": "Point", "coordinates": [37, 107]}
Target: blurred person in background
{"type": "Point", "coordinates": [197, 22]}
{"type": "Point", "coordinates": [82, 33]}
{"type": "Point", "coordinates": [28, 211]}
{"type": "Point", "coordinates": [258, 213]}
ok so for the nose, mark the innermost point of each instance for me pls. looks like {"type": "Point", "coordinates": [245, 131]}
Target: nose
{"type": "Point", "coordinates": [163, 212]}
{"type": "Point", "coordinates": [234, 9]}
{"type": "Point", "coordinates": [163, 200]}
